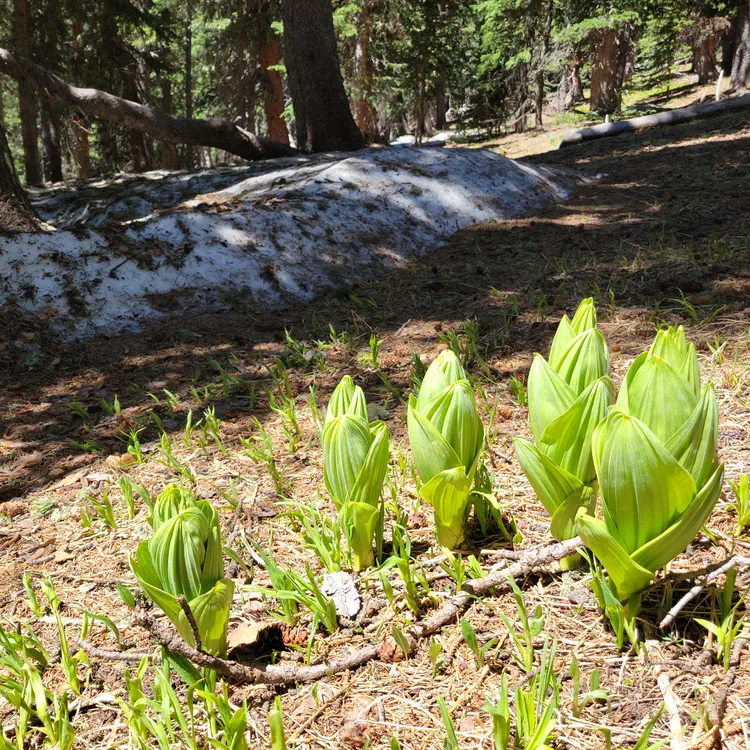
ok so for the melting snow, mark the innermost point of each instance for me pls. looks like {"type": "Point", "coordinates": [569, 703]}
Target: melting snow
{"type": "Point", "coordinates": [266, 234]}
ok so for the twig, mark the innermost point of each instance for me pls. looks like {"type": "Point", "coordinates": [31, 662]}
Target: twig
{"type": "Point", "coordinates": [733, 562]}
{"type": "Point", "coordinates": [103, 653]}
{"type": "Point", "coordinates": [191, 621]}
{"type": "Point", "coordinates": [719, 705]}
{"type": "Point", "coordinates": [275, 674]}
{"type": "Point", "coordinates": [670, 703]}
{"type": "Point", "coordinates": [315, 714]}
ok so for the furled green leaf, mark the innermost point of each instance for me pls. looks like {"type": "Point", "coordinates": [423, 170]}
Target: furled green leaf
{"type": "Point", "coordinates": [346, 442]}
{"type": "Point", "coordinates": [431, 451]}
{"type": "Point", "coordinates": [567, 439]}
{"type": "Point", "coordinates": [585, 316]}
{"type": "Point", "coordinates": [448, 493]}
{"type": "Point", "coordinates": [445, 370]}
{"type": "Point", "coordinates": [347, 398]}
{"type": "Point", "coordinates": [585, 360]}
{"type": "Point", "coordinates": [369, 483]}
{"type": "Point", "coordinates": [178, 550]}
{"type": "Point", "coordinates": [694, 444]}
{"type": "Point", "coordinates": [549, 396]}
{"type": "Point", "coordinates": [211, 612]}
{"type": "Point", "coordinates": [560, 342]}
{"type": "Point", "coordinates": [659, 396]}
{"type": "Point", "coordinates": [658, 551]}
{"type": "Point", "coordinates": [358, 520]}
{"type": "Point", "coordinates": [626, 575]}
{"type": "Point", "coordinates": [643, 487]}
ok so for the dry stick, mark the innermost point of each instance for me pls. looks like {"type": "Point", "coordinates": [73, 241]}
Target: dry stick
{"type": "Point", "coordinates": [719, 705]}
{"type": "Point", "coordinates": [103, 653]}
{"type": "Point", "coordinates": [673, 709]}
{"type": "Point", "coordinates": [733, 562]}
{"type": "Point", "coordinates": [182, 601]}
{"type": "Point", "coordinates": [275, 674]}
{"type": "Point", "coordinates": [299, 731]}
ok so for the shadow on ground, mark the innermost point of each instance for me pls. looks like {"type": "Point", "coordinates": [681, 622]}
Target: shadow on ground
{"type": "Point", "coordinates": [660, 225]}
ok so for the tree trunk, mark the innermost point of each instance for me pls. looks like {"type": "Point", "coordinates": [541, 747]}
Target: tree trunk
{"type": "Point", "coordinates": [273, 88]}
{"type": "Point", "coordinates": [53, 31]}
{"type": "Point", "coordinates": [51, 151]}
{"type": "Point", "coordinates": [543, 52]}
{"type": "Point", "coordinates": [323, 120]}
{"type": "Point", "coordinates": [605, 72]}
{"type": "Point", "coordinates": [189, 159]}
{"type": "Point", "coordinates": [704, 59]}
{"type": "Point", "coordinates": [82, 147]}
{"type": "Point", "coordinates": [441, 105]}
{"type": "Point", "coordinates": [26, 100]}
{"type": "Point", "coordinates": [16, 213]}
{"type": "Point", "coordinates": [364, 113]}
{"type": "Point", "coordinates": [741, 62]}
{"type": "Point", "coordinates": [576, 84]}
{"type": "Point", "coordinates": [169, 158]}
{"type": "Point", "coordinates": [2, 107]}
{"type": "Point", "coordinates": [99, 104]}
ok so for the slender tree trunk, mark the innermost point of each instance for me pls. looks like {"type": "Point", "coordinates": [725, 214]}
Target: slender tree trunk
{"type": "Point", "coordinates": [540, 78]}
{"type": "Point", "coordinates": [441, 105]}
{"type": "Point", "coordinates": [741, 62]}
{"type": "Point", "coordinates": [605, 73]}
{"type": "Point", "coordinates": [576, 84]}
{"type": "Point", "coordinates": [26, 98]}
{"type": "Point", "coordinates": [169, 158]}
{"type": "Point", "coordinates": [704, 59]}
{"type": "Point", "coordinates": [53, 31]}
{"type": "Point", "coordinates": [364, 113]}
{"type": "Point", "coordinates": [16, 213]}
{"type": "Point", "coordinates": [80, 126]}
{"type": "Point", "coordinates": [323, 120]}
{"type": "Point", "coordinates": [189, 158]}
{"type": "Point", "coordinates": [103, 106]}
{"type": "Point", "coordinates": [273, 88]}
{"type": "Point", "coordinates": [51, 151]}
{"type": "Point", "coordinates": [2, 107]}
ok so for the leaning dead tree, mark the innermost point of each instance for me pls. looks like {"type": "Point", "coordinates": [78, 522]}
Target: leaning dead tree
{"type": "Point", "coordinates": [214, 132]}
{"type": "Point", "coordinates": [16, 213]}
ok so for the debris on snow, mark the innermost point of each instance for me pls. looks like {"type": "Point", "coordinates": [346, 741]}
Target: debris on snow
{"type": "Point", "coordinates": [260, 236]}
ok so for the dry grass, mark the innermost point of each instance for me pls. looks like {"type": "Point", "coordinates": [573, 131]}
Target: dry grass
{"type": "Point", "coordinates": [665, 222]}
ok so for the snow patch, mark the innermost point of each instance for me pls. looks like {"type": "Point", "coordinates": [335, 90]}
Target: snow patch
{"type": "Point", "coordinates": [263, 235]}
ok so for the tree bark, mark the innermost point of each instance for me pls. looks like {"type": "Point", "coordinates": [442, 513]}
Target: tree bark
{"type": "Point", "coordinates": [99, 104]}
{"type": "Point", "coordinates": [364, 113]}
{"type": "Point", "coordinates": [605, 72]}
{"type": "Point", "coordinates": [52, 32]}
{"type": "Point", "coordinates": [189, 158]}
{"type": "Point", "coordinates": [704, 59]}
{"type": "Point", "coordinates": [169, 158]}
{"type": "Point", "coordinates": [741, 62]}
{"type": "Point", "coordinates": [576, 84]}
{"type": "Point", "coordinates": [80, 126]}
{"type": "Point", "coordinates": [543, 51]}
{"type": "Point", "coordinates": [26, 100]}
{"type": "Point", "coordinates": [323, 119]}
{"type": "Point", "coordinates": [51, 151]}
{"type": "Point", "coordinates": [441, 106]}
{"type": "Point", "coordinates": [273, 88]}
{"type": "Point", "coordinates": [16, 213]}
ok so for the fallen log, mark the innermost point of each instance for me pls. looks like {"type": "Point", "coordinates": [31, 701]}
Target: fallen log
{"type": "Point", "coordinates": [684, 114]}
{"type": "Point", "coordinates": [101, 105]}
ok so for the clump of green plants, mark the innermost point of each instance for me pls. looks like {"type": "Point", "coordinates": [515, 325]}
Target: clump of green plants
{"type": "Point", "coordinates": [446, 437]}
{"type": "Point", "coordinates": [355, 459]}
{"type": "Point", "coordinates": [181, 568]}
{"type": "Point", "coordinates": [568, 397]}
{"type": "Point", "coordinates": [656, 462]}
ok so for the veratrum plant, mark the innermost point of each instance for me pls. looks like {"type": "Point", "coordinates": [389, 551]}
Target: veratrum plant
{"type": "Point", "coordinates": [446, 437]}
{"type": "Point", "coordinates": [568, 397]}
{"type": "Point", "coordinates": [655, 457]}
{"type": "Point", "coordinates": [355, 459]}
{"type": "Point", "coordinates": [184, 558]}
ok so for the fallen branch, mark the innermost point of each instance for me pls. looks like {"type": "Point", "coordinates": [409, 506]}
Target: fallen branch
{"type": "Point", "coordinates": [672, 117]}
{"type": "Point", "coordinates": [185, 607]}
{"type": "Point", "coordinates": [673, 709]}
{"type": "Point", "coordinates": [719, 705]}
{"type": "Point", "coordinates": [733, 562]}
{"type": "Point", "coordinates": [103, 106]}
{"type": "Point", "coordinates": [130, 657]}
{"type": "Point", "coordinates": [450, 612]}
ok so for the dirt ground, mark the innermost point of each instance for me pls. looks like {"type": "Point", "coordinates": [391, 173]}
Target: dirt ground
{"type": "Point", "coordinates": [657, 231]}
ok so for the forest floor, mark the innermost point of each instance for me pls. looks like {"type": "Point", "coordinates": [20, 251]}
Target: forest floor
{"type": "Point", "coordinates": [662, 236]}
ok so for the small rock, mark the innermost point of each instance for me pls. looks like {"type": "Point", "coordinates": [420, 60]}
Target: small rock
{"type": "Point", "coordinates": [62, 555]}
{"type": "Point", "coordinates": [99, 476]}
{"type": "Point", "coordinates": [124, 459]}
{"type": "Point", "coordinates": [31, 459]}
{"type": "Point", "coordinates": [341, 588]}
